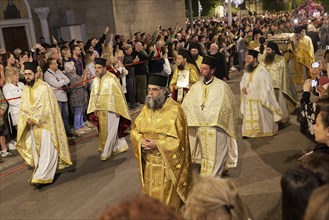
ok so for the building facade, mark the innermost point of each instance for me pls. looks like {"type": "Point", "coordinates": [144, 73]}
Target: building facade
{"type": "Point", "coordinates": [24, 22]}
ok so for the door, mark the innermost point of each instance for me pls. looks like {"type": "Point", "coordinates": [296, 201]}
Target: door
{"type": "Point", "coordinates": [15, 37]}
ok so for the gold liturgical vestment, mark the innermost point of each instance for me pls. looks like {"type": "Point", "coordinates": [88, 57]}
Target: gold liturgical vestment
{"type": "Point", "coordinates": [304, 56]}
{"type": "Point", "coordinates": [165, 172]}
{"type": "Point", "coordinates": [179, 93]}
{"type": "Point", "coordinates": [39, 104]}
{"type": "Point", "coordinates": [209, 106]}
{"type": "Point", "coordinates": [107, 96]}
{"type": "Point", "coordinates": [282, 81]}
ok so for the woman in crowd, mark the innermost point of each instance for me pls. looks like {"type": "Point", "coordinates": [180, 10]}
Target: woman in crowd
{"type": "Point", "coordinates": [12, 91]}
{"type": "Point", "coordinates": [215, 198]}
{"type": "Point", "coordinates": [78, 98]}
{"type": "Point", "coordinates": [90, 66]}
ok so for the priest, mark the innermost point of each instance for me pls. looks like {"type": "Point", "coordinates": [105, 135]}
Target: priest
{"type": "Point", "coordinates": [184, 76]}
{"type": "Point", "coordinates": [41, 136]}
{"type": "Point", "coordinates": [212, 119]}
{"type": "Point", "coordinates": [161, 144]}
{"type": "Point", "coordinates": [109, 104]}
{"type": "Point", "coordinates": [259, 106]}
{"type": "Point", "coordinates": [284, 88]}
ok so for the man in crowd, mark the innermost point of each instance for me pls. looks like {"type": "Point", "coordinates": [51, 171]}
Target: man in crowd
{"type": "Point", "coordinates": [41, 138]}
{"type": "Point", "coordinates": [212, 120]}
{"type": "Point", "coordinates": [109, 104]}
{"type": "Point", "coordinates": [128, 60]}
{"type": "Point", "coordinates": [284, 89]}
{"type": "Point", "coordinates": [184, 75]}
{"type": "Point", "coordinates": [259, 107]}
{"type": "Point", "coordinates": [76, 53]}
{"type": "Point", "coordinates": [221, 70]}
{"type": "Point", "coordinates": [58, 81]}
{"type": "Point", "coordinates": [142, 71]}
{"type": "Point", "coordinates": [161, 144]}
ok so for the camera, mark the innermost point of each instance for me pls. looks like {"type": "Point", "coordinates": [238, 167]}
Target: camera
{"type": "Point", "coordinates": [315, 65]}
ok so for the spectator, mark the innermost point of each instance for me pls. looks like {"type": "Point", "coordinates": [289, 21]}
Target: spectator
{"type": "Point", "coordinates": [78, 97]}
{"type": "Point", "coordinates": [214, 198]}
{"type": "Point", "coordinates": [3, 127]}
{"type": "Point", "coordinates": [76, 53]}
{"type": "Point", "coordinates": [12, 91]}
{"type": "Point", "coordinates": [317, 207]}
{"type": "Point", "coordinates": [139, 207]}
{"type": "Point", "coordinates": [297, 185]}
{"type": "Point", "coordinates": [58, 81]}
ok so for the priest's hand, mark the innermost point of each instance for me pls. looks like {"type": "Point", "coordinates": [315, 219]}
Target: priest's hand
{"type": "Point", "coordinates": [29, 122]}
{"type": "Point", "coordinates": [148, 144]}
{"type": "Point", "coordinates": [244, 91]}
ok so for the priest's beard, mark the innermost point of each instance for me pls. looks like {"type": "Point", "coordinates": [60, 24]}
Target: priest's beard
{"type": "Point", "coordinates": [155, 103]}
{"type": "Point", "coordinates": [251, 67]}
{"type": "Point", "coordinates": [30, 83]}
{"type": "Point", "coordinates": [181, 67]}
{"type": "Point", "coordinates": [195, 57]}
{"type": "Point", "coordinates": [207, 78]}
{"type": "Point", "coordinates": [269, 58]}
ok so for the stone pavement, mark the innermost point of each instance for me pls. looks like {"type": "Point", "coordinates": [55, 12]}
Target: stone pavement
{"type": "Point", "coordinates": [95, 183]}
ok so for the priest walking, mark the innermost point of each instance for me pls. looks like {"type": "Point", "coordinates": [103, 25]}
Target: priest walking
{"type": "Point", "coordinates": [212, 118]}
{"type": "Point", "coordinates": [109, 104]}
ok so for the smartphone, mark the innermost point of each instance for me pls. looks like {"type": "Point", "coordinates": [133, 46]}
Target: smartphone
{"type": "Point", "coordinates": [315, 65]}
{"type": "Point", "coordinates": [314, 83]}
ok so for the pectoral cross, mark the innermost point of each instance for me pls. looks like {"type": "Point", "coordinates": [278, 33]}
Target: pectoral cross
{"type": "Point", "coordinates": [202, 106]}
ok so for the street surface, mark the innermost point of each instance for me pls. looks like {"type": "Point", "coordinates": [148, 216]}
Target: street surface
{"type": "Point", "coordinates": [85, 189]}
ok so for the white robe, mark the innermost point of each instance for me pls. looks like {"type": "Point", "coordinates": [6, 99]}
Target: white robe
{"type": "Point", "coordinates": [45, 158]}
{"type": "Point", "coordinates": [259, 107]}
{"type": "Point", "coordinates": [114, 144]}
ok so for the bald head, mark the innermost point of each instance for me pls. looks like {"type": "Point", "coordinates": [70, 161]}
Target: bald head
{"type": "Point", "coordinates": [138, 46]}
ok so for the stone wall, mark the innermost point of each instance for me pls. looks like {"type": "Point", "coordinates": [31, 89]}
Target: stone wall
{"type": "Point", "coordinates": [122, 16]}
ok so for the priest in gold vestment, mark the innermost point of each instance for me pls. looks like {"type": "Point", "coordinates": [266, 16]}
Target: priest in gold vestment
{"type": "Point", "coordinates": [212, 118]}
{"type": "Point", "coordinates": [303, 55]}
{"type": "Point", "coordinates": [109, 104]}
{"type": "Point", "coordinates": [161, 144]}
{"type": "Point", "coordinates": [184, 75]}
{"type": "Point", "coordinates": [41, 137]}
{"type": "Point", "coordinates": [282, 83]}
{"type": "Point", "coordinates": [259, 106]}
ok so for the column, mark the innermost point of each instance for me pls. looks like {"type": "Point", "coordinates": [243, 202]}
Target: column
{"type": "Point", "coordinates": [42, 14]}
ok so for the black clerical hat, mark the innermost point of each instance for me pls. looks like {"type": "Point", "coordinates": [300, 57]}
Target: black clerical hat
{"type": "Point", "coordinates": [100, 61]}
{"type": "Point", "coordinates": [253, 53]}
{"type": "Point", "coordinates": [187, 54]}
{"type": "Point", "coordinates": [210, 61]}
{"type": "Point", "coordinates": [274, 46]}
{"type": "Point", "coordinates": [194, 46]}
{"type": "Point", "coordinates": [158, 80]}
{"type": "Point", "coordinates": [31, 66]}
{"type": "Point", "coordinates": [297, 29]}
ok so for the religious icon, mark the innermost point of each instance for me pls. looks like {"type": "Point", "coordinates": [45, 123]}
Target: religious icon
{"type": "Point", "coordinates": [183, 79]}
{"type": "Point", "coordinates": [11, 11]}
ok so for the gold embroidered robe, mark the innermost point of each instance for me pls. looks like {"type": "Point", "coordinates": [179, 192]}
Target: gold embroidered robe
{"type": "Point", "coordinates": [282, 81]}
{"type": "Point", "coordinates": [107, 96]}
{"type": "Point", "coordinates": [165, 172]}
{"type": "Point", "coordinates": [302, 59]}
{"type": "Point", "coordinates": [193, 78]}
{"type": "Point", "coordinates": [259, 107]}
{"type": "Point", "coordinates": [208, 106]}
{"type": "Point", "coordinates": [39, 104]}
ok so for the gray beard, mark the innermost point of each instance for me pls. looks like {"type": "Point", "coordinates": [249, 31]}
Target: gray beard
{"type": "Point", "coordinates": [155, 103]}
{"type": "Point", "coordinates": [269, 58]}
{"type": "Point", "coordinates": [250, 67]}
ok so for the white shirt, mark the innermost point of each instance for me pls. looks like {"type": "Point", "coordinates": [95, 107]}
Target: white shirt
{"type": "Point", "coordinates": [11, 91]}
